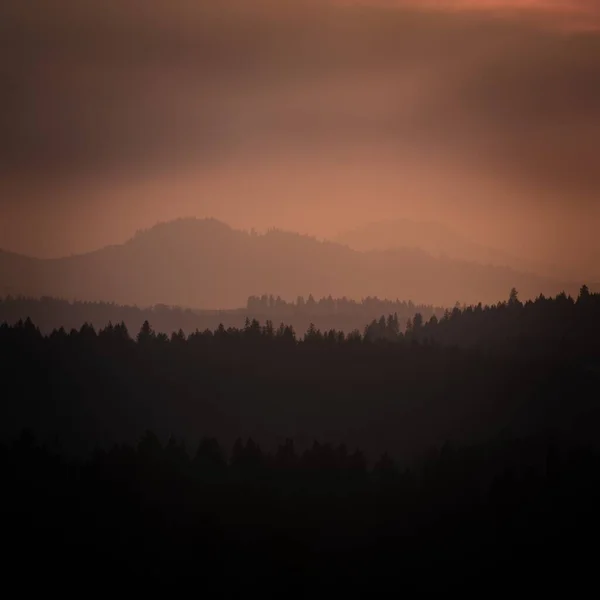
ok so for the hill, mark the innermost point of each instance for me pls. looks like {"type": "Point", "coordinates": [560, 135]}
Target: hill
{"type": "Point", "coordinates": [207, 264]}
{"type": "Point", "coordinates": [435, 239]}
{"type": "Point", "coordinates": [324, 314]}
{"type": "Point", "coordinates": [524, 367]}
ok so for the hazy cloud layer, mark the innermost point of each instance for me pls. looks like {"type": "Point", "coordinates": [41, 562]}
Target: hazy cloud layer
{"type": "Point", "coordinates": [113, 92]}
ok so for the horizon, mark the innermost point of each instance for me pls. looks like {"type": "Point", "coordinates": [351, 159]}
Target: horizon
{"type": "Point", "coordinates": [369, 237]}
{"type": "Point", "coordinates": [248, 230]}
{"type": "Point", "coordinates": [168, 264]}
{"type": "Point", "coordinates": [315, 117]}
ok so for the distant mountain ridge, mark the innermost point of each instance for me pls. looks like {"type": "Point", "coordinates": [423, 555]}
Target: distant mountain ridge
{"type": "Point", "coordinates": [431, 237]}
{"type": "Point", "coordinates": [205, 263]}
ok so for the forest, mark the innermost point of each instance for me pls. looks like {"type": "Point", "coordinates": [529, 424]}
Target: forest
{"type": "Point", "coordinates": [471, 373]}
{"type": "Point", "coordinates": [343, 314]}
{"type": "Point", "coordinates": [252, 458]}
{"type": "Point", "coordinates": [155, 517]}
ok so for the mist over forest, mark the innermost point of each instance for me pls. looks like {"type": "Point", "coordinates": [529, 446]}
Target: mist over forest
{"type": "Point", "coordinates": [206, 264]}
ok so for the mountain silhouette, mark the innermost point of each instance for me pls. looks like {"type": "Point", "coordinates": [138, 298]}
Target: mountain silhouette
{"type": "Point", "coordinates": [435, 239]}
{"type": "Point", "coordinates": [204, 263]}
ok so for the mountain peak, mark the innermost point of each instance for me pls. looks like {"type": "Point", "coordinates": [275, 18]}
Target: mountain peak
{"type": "Point", "coordinates": [205, 263]}
{"type": "Point", "coordinates": [183, 225]}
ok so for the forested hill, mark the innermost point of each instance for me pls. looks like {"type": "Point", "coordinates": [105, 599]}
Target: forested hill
{"type": "Point", "coordinates": [382, 389]}
{"type": "Point", "coordinates": [207, 264]}
{"type": "Point", "coordinates": [341, 314]}
{"type": "Point", "coordinates": [432, 237]}
{"type": "Point", "coordinates": [504, 324]}
{"type": "Point", "coordinates": [543, 325]}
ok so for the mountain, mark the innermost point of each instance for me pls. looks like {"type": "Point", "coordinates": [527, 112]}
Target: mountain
{"type": "Point", "coordinates": [207, 264]}
{"type": "Point", "coordinates": [435, 239]}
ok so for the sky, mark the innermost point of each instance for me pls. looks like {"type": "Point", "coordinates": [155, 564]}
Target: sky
{"type": "Point", "coordinates": [310, 115]}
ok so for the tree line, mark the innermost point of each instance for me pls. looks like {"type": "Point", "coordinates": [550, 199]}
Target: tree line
{"type": "Point", "coordinates": [535, 325]}
{"type": "Point", "coordinates": [511, 511]}
{"type": "Point", "coordinates": [473, 373]}
{"type": "Point", "coordinates": [326, 313]}
{"type": "Point", "coordinates": [457, 453]}
{"type": "Point", "coordinates": [562, 317]}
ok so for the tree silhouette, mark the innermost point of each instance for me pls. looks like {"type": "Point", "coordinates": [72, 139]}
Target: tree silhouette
{"type": "Point", "coordinates": [146, 334]}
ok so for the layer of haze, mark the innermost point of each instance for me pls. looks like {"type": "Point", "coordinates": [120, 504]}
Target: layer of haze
{"type": "Point", "coordinates": [312, 116]}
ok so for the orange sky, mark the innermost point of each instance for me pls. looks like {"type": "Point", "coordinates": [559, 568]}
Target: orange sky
{"type": "Point", "coordinates": [118, 113]}
{"type": "Point", "coordinates": [572, 14]}
{"type": "Point", "coordinates": [587, 6]}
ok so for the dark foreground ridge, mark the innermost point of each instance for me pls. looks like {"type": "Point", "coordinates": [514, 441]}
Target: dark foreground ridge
{"type": "Point", "coordinates": [509, 513]}
{"type": "Point", "coordinates": [334, 491]}
{"type": "Point", "coordinates": [468, 376]}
